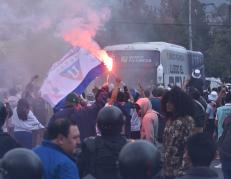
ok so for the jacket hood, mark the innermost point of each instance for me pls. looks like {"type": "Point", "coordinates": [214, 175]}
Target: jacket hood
{"type": "Point", "coordinates": [145, 105]}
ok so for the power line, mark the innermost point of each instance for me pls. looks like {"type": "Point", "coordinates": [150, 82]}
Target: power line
{"type": "Point", "coordinates": [170, 24]}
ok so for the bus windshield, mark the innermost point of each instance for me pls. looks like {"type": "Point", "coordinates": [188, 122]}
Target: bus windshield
{"type": "Point", "coordinates": [135, 66]}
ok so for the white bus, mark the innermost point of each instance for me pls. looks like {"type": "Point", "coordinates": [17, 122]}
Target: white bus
{"type": "Point", "coordinates": [153, 63]}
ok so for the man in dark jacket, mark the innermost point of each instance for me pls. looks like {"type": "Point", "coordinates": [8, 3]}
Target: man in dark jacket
{"type": "Point", "coordinates": [71, 101]}
{"type": "Point", "coordinates": [200, 109]}
{"type": "Point", "coordinates": [99, 155]}
{"type": "Point", "coordinates": [201, 150]}
{"type": "Point", "coordinates": [86, 117]}
{"type": "Point", "coordinates": [196, 81]}
{"type": "Point", "coordinates": [6, 141]}
{"type": "Point", "coordinates": [120, 103]}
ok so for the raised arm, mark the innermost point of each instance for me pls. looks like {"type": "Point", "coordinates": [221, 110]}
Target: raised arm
{"type": "Point", "coordinates": [115, 92]}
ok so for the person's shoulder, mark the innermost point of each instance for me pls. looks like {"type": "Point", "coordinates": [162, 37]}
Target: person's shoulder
{"type": "Point", "coordinates": [210, 104]}
{"type": "Point", "coordinates": [200, 172]}
{"type": "Point", "coordinates": [189, 119]}
{"type": "Point", "coordinates": [4, 135]}
{"type": "Point", "coordinates": [183, 121]}
{"type": "Point", "coordinates": [153, 114]}
{"type": "Point", "coordinates": [46, 149]}
{"type": "Point", "coordinates": [57, 155]}
{"type": "Point", "coordinates": [65, 111]}
{"type": "Point", "coordinates": [221, 108]}
{"type": "Point", "coordinates": [185, 177]}
{"type": "Point", "coordinates": [6, 139]}
{"type": "Point", "coordinates": [201, 80]}
{"type": "Point", "coordinates": [227, 106]}
{"type": "Point", "coordinates": [89, 144]}
{"type": "Point", "coordinates": [43, 150]}
{"type": "Point", "coordinates": [149, 116]}
{"type": "Point", "coordinates": [177, 123]}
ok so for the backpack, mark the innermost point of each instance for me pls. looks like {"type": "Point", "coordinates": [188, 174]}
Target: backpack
{"type": "Point", "coordinates": [103, 157]}
{"type": "Point", "coordinates": [199, 116]}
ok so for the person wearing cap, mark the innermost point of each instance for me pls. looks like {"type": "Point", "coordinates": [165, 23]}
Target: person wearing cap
{"type": "Point", "coordinates": [211, 113]}
{"type": "Point", "coordinates": [86, 117]}
{"type": "Point", "coordinates": [72, 100]}
{"type": "Point", "coordinates": [71, 105]}
{"type": "Point", "coordinates": [196, 81]}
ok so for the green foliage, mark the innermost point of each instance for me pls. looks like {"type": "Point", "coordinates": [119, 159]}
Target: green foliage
{"type": "Point", "coordinates": [218, 61]}
{"type": "Point", "coordinates": [177, 12]}
{"type": "Point", "coordinates": [174, 13]}
{"type": "Point", "coordinates": [135, 20]}
{"type": "Point", "coordinates": [132, 21]}
{"type": "Point", "coordinates": [219, 57]}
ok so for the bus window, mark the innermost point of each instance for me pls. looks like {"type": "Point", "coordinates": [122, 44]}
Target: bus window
{"type": "Point", "coordinates": [178, 81]}
{"type": "Point", "coordinates": [136, 66]}
{"type": "Point", "coordinates": [171, 81]}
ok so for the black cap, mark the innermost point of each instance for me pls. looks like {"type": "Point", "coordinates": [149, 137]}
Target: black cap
{"type": "Point", "coordinates": [72, 98]}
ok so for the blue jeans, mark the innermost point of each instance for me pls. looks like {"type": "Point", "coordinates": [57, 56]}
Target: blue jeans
{"type": "Point", "coordinates": [226, 169]}
{"type": "Point", "coordinates": [24, 138]}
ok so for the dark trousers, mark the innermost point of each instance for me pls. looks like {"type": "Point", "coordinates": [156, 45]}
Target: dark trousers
{"type": "Point", "coordinates": [24, 138]}
{"type": "Point", "coordinates": [226, 169]}
{"type": "Point", "coordinates": [210, 127]}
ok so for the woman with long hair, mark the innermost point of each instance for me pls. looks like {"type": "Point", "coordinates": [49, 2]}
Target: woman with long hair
{"type": "Point", "coordinates": [24, 123]}
{"type": "Point", "coordinates": [178, 108]}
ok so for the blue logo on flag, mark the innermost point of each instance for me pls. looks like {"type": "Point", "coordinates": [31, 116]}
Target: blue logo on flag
{"type": "Point", "coordinates": [73, 72]}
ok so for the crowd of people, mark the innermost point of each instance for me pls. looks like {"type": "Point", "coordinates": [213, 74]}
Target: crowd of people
{"type": "Point", "coordinates": [117, 133]}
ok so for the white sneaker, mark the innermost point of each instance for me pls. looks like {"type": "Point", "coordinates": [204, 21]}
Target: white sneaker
{"type": "Point", "coordinates": [218, 166]}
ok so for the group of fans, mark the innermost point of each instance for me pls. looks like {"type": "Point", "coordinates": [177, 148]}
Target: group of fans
{"type": "Point", "coordinates": [117, 133]}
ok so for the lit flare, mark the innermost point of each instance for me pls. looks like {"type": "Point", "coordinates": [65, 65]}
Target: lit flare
{"type": "Point", "coordinates": [106, 59]}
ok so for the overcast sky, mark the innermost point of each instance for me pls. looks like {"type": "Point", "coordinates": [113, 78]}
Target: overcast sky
{"type": "Point", "coordinates": [217, 2]}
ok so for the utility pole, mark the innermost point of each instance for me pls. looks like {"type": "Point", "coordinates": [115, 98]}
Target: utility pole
{"type": "Point", "coordinates": [229, 14]}
{"type": "Point", "coordinates": [190, 25]}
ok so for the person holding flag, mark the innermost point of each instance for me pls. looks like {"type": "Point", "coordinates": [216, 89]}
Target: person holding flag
{"type": "Point", "coordinates": [72, 74]}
